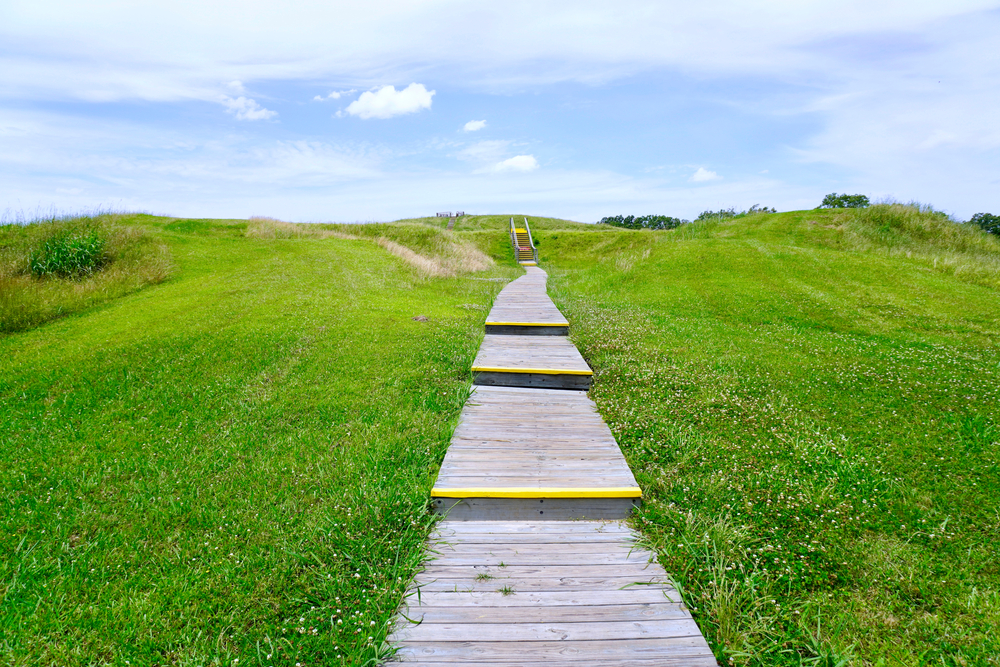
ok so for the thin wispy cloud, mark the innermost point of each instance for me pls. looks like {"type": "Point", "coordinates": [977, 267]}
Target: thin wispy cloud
{"type": "Point", "coordinates": [387, 102]}
{"type": "Point", "coordinates": [245, 108]}
{"type": "Point", "coordinates": [334, 95]}
{"type": "Point", "coordinates": [830, 95]}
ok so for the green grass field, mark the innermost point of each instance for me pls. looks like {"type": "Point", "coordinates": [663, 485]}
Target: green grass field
{"type": "Point", "coordinates": [813, 418]}
{"type": "Point", "coordinates": [233, 464]}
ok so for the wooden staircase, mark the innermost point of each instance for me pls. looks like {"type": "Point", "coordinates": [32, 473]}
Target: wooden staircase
{"type": "Point", "coordinates": [524, 249]}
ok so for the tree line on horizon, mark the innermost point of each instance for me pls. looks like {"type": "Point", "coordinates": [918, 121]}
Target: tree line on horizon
{"type": "Point", "coordinates": [986, 221]}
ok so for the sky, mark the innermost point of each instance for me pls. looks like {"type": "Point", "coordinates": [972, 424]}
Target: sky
{"type": "Point", "coordinates": [322, 110]}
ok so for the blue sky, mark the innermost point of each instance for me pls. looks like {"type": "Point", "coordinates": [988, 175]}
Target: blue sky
{"type": "Point", "coordinates": [208, 108]}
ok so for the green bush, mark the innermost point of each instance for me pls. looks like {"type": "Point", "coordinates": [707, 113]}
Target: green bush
{"type": "Point", "coordinates": [987, 222]}
{"type": "Point", "coordinates": [833, 200]}
{"type": "Point", "coordinates": [57, 266]}
{"type": "Point", "coordinates": [69, 254]}
{"type": "Point", "coordinates": [642, 221]}
{"type": "Point", "coordinates": [730, 213]}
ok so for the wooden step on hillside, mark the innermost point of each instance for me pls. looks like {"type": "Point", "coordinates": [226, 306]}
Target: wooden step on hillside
{"type": "Point", "coordinates": [539, 594]}
{"type": "Point", "coordinates": [533, 454]}
{"type": "Point", "coordinates": [524, 308]}
{"type": "Point", "coordinates": [550, 362]}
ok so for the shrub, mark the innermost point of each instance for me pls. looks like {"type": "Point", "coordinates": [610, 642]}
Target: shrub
{"type": "Point", "coordinates": [69, 253]}
{"type": "Point", "coordinates": [833, 200]}
{"type": "Point", "coordinates": [58, 266]}
{"type": "Point", "coordinates": [642, 221]}
{"type": "Point", "coordinates": [987, 222]}
{"type": "Point", "coordinates": [730, 213]}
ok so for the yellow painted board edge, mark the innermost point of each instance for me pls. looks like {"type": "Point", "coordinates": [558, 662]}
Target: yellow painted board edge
{"type": "Point", "coordinates": [542, 371]}
{"type": "Point", "coordinates": [529, 492]}
{"type": "Point", "coordinates": [527, 324]}
{"type": "Point", "coordinates": [520, 229]}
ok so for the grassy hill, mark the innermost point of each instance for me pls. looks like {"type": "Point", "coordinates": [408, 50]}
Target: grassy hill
{"type": "Point", "coordinates": [234, 463]}
{"type": "Point", "coordinates": [232, 460]}
{"type": "Point", "coordinates": [809, 400]}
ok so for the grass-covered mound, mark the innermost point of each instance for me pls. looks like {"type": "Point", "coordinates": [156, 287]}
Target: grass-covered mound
{"type": "Point", "coordinates": [233, 464]}
{"type": "Point", "coordinates": [56, 267]}
{"type": "Point", "coordinates": [809, 401]}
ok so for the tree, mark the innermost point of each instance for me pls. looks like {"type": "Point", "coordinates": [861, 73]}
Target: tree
{"type": "Point", "coordinates": [833, 200]}
{"type": "Point", "coordinates": [987, 222]}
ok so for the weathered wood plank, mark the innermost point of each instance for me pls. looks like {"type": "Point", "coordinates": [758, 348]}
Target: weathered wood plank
{"type": "Point", "coordinates": [578, 599]}
{"type": "Point", "coordinates": [551, 631]}
{"type": "Point", "coordinates": [562, 652]}
{"type": "Point", "coordinates": [545, 614]}
{"type": "Point", "coordinates": [527, 509]}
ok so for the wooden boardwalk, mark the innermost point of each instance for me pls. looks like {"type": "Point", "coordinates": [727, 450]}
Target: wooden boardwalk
{"type": "Point", "coordinates": [532, 565]}
{"type": "Point", "coordinates": [559, 459]}
{"type": "Point", "coordinates": [524, 308]}
{"type": "Point", "coordinates": [549, 593]}
{"type": "Point", "coordinates": [531, 361]}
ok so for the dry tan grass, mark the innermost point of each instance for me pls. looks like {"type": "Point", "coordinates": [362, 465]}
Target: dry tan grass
{"type": "Point", "coordinates": [431, 251]}
{"type": "Point", "coordinates": [425, 266]}
{"type": "Point", "coordinates": [262, 227]}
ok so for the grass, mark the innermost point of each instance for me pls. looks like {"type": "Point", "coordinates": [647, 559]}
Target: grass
{"type": "Point", "coordinates": [808, 400]}
{"type": "Point", "coordinates": [233, 464]}
{"type": "Point", "coordinates": [55, 267]}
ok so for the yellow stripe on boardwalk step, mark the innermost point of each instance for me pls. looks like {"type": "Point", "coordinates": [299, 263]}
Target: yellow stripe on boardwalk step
{"type": "Point", "coordinates": [530, 492]}
{"type": "Point", "coordinates": [526, 324]}
{"type": "Point", "coordinates": [543, 371]}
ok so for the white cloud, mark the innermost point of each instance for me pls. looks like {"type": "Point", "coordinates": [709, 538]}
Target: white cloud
{"type": "Point", "coordinates": [387, 102]}
{"type": "Point", "coordinates": [703, 175]}
{"type": "Point", "coordinates": [334, 95]}
{"type": "Point", "coordinates": [246, 109]}
{"type": "Point", "coordinates": [485, 152]}
{"type": "Point", "coordinates": [517, 163]}
{"type": "Point", "coordinates": [474, 125]}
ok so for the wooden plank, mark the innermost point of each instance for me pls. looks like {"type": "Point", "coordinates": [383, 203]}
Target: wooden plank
{"type": "Point", "coordinates": [500, 562]}
{"type": "Point", "coordinates": [529, 552]}
{"type": "Point", "coordinates": [538, 584]}
{"type": "Point", "coordinates": [640, 570]}
{"type": "Point", "coordinates": [527, 509]}
{"type": "Point", "coordinates": [563, 614]}
{"type": "Point", "coordinates": [582, 529]}
{"type": "Point", "coordinates": [562, 652]}
{"type": "Point", "coordinates": [578, 599]}
{"type": "Point", "coordinates": [551, 631]}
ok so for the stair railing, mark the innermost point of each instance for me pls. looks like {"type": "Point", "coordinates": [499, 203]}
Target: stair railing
{"type": "Point", "coordinates": [513, 239]}
{"type": "Point", "coordinates": [534, 250]}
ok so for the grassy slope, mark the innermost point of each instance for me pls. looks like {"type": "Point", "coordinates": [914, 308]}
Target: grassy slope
{"type": "Point", "coordinates": [815, 429]}
{"type": "Point", "coordinates": [232, 464]}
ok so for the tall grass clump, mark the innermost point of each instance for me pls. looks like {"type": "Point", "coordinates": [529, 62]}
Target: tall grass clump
{"type": "Point", "coordinates": [919, 231]}
{"type": "Point", "coordinates": [69, 253]}
{"type": "Point", "coordinates": [55, 267]}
